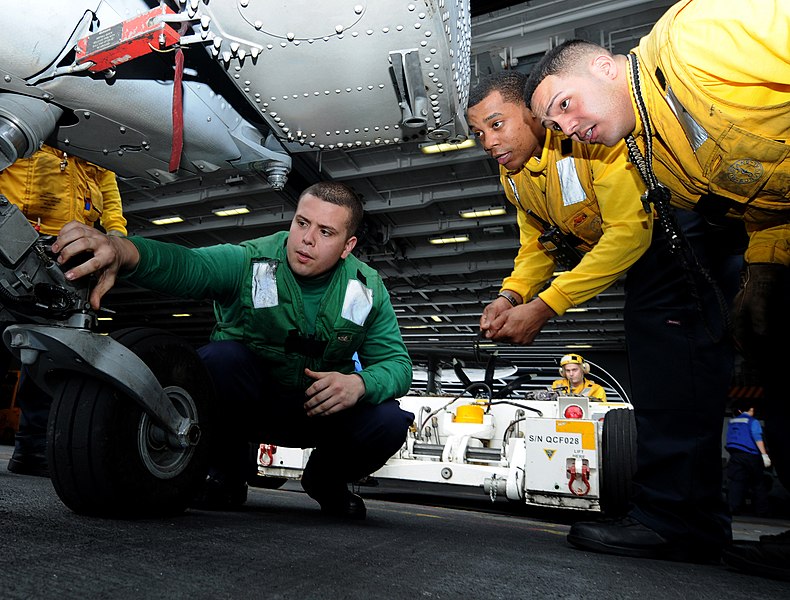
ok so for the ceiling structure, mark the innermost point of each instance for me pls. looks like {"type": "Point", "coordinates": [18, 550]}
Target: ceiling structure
{"type": "Point", "coordinates": [438, 291]}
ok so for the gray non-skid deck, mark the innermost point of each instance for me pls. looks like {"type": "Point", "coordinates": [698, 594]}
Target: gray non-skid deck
{"type": "Point", "coordinates": [414, 544]}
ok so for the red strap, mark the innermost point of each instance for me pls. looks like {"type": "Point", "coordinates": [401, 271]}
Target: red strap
{"type": "Point", "coordinates": [178, 113]}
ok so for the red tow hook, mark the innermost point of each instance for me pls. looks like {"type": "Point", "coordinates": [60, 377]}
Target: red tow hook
{"type": "Point", "coordinates": [585, 477]}
{"type": "Point", "coordinates": [266, 454]}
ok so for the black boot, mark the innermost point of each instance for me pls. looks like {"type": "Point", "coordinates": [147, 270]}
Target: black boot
{"type": "Point", "coordinates": [628, 537]}
{"type": "Point", "coordinates": [24, 462]}
{"type": "Point", "coordinates": [770, 557]}
{"type": "Point", "coordinates": [334, 496]}
{"type": "Point", "coordinates": [219, 494]}
{"type": "Point", "coordinates": [30, 442]}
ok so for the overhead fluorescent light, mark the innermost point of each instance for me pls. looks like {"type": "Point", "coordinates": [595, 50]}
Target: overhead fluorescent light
{"type": "Point", "coordinates": [476, 213]}
{"type": "Point", "coordinates": [231, 211]}
{"type": "Point", "coordinates": [577, 346]}
{"type": "Point", "coordinates": [437, 148]}
{"type": "Point", "coordinates": [104, 318]}
{"type": "Point", "coordinates": [436, 318]}
{"type": "Point", "coordinates": [577, 309]}
{"type": "Point", "coordinates": [450, 239]}
{"type": "Point", "coordinates": [167, 220]}
{"type": "Point", "coordinates": [181, 315]}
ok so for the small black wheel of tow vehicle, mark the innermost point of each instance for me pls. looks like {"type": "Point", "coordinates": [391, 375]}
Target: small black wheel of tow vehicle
{"type": "Point", "coordinates": [267, 483]}
{"type": "Point", "coordinates": [107, 457]}
{"type": "Point", "coordinates": [618, 463]}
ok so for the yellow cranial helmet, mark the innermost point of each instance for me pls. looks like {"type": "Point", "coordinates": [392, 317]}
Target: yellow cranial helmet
{"type": "Point", "coordinates": [577, 359]}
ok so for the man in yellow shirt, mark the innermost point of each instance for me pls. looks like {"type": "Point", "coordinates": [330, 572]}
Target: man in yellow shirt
{"type": "Point", "coordinates": [586, 196]}
{"type": "Point", "coordinates": [703, 105]}
{"type": "Point", "coordinates": [52, 188]}
{"type": "Point", "coordinates": [573, 369]}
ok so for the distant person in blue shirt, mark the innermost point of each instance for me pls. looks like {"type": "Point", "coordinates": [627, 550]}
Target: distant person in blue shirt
{"type": "Point", "coordinates": [748, 460]}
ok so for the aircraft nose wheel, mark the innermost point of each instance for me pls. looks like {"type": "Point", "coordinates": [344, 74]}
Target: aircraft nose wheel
{"type": "Point", "coordinates": [108, 457]}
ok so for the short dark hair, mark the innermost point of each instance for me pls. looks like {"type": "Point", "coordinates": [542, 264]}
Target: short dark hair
{"type": "Point", "coordinates": [508, 83]}
{"type": "Point", "coordinates": [340, 194]}
{"type": "Point", "coordinates": [561, 59]}
{"type": "Point", "coordinates": [741, 405]}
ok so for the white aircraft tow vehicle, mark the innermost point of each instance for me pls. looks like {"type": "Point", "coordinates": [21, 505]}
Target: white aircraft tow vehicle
{"type": "Point", "coordinates": [537, 447]}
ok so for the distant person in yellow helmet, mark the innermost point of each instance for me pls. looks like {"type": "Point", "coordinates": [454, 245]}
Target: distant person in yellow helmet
{"type": "Point", "coordinates": [573, 369]}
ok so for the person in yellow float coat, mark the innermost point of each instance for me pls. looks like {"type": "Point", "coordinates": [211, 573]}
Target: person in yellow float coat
{"type": "Point", "coordinates": [573, 369]}
{"type": "Point", "coordinates": [705, 102]}
{"type": "Point", "coordinates": [590, 195]}
{"type": "Point", "coordinates": [52, 188]}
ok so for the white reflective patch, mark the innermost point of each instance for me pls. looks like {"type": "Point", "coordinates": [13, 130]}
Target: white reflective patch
{"type": "Point", "coordinates": [572, 190]}
{"type": "Point", "coordinates": [264, 284]}
{"type": "Point", "coordinates": [694, 132]}
{"type": "Point", "coordinates": [357, 303]}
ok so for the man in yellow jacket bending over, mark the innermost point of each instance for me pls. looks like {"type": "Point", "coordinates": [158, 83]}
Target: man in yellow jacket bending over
{"type": "Point", "coordinates": [588, 197]}
{"type": "Point", "coordinates": [577, 208]}
{"type": "Point", "coordinates": [704, 104]}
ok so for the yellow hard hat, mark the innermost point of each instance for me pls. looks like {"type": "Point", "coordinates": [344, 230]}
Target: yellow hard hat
{"type": "Point", "coordinates": [570, 359]}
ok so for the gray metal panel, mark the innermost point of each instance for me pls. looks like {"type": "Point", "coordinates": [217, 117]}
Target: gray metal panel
{"type": "Point", "coordinates": [319, 72]}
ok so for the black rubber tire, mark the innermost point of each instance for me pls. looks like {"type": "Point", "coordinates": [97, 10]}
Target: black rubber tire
{"type": "Point", "coordinates": [618, 461]}
{"type": "Point", "coordinates": [102, 459]}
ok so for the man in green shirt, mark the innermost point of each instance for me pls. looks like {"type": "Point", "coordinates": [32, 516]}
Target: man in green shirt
{"type": "Point", "coordinates": [292, 309]}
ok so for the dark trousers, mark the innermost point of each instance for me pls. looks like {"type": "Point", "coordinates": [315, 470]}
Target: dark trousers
{"type": "Point", "coordinates": [680, 361]}
{"type": "Point", "coordinates": [347, 445]}
{"type": "Point", "coordinates": [33, 404]}
{"type": "Point", "coordinates": [746, 471]}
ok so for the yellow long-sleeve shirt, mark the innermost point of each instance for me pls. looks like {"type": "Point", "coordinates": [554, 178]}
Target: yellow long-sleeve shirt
{"type": "Point", "coordinates": [52, 188]}
{"type": "Point", "coordinates": [585, 388]}
{"type": "Point", "coordinates": [594, 196]}
{"type": "Point", "coordinates": [716, 81]}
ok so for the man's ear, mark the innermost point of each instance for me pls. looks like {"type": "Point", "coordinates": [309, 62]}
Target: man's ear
{"type": "Point", "coordinates": [350, 243]}
{"type": "Point", "coordinates": [605, 66]}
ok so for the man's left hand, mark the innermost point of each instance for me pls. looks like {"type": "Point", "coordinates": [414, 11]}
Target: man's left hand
{"type": "Point", "coordinates": [520, 324]}
{"type": "Point", "coordinates": [332, 392]}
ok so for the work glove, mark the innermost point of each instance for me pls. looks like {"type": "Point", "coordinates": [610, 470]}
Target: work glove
{"type": "Point", "coordinates": [766, 461]}
{"type": "Point", "coordinates": [757, 309]}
